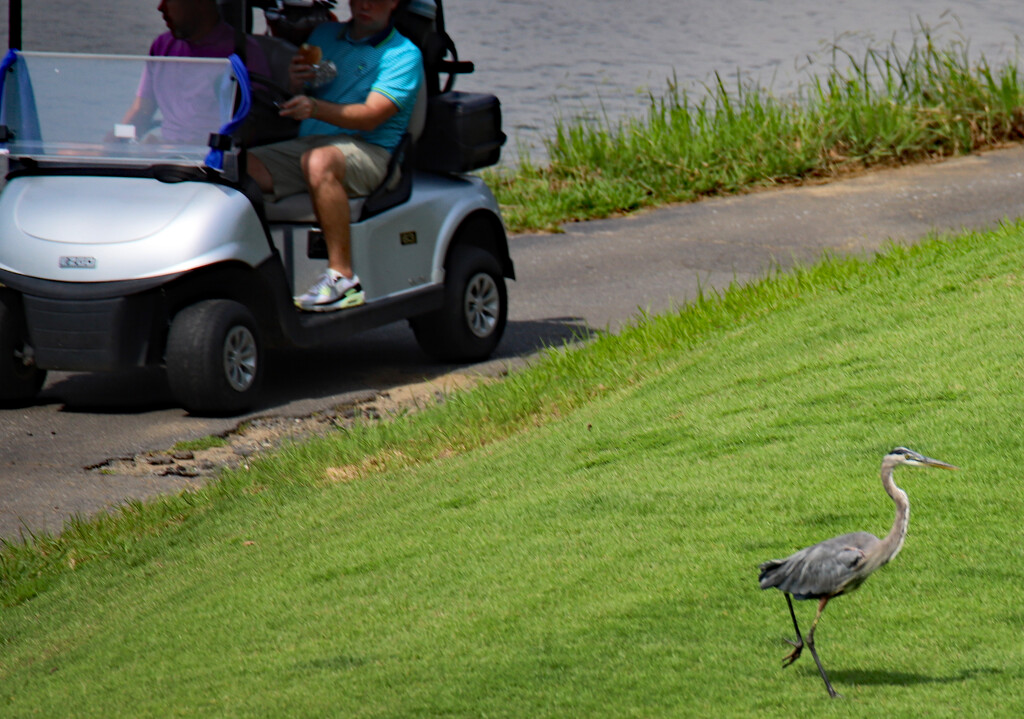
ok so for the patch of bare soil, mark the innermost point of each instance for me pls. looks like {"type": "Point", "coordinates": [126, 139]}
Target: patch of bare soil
{"type": "Point", "coordinates": [261, 434]}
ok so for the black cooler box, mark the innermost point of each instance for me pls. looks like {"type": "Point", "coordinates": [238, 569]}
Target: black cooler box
{"type": "Point", "coordinates": [462, 133]}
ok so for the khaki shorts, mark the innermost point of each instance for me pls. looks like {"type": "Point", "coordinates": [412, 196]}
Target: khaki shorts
{"type": "Point", "coordinates": [366, 164]}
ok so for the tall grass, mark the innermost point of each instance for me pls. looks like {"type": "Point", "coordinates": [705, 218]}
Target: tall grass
{"type": "Point", "coordinates": [885, 107]}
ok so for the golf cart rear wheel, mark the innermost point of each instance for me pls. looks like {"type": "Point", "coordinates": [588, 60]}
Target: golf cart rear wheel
{"type": "Point", "coordinates": [470, 324]}
{"type": "Point", "coordinates": [215, 358]}
{"type": "Point", "coordinates": [20, 380]}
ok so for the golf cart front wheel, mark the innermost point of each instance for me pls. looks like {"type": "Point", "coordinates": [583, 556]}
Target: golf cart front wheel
{"type": "Point", "coordinates": [20, 379]}
{"type": "Point", "coordinates": [215, 358]}
{"type": "Point", "coordinates": [470, 324]}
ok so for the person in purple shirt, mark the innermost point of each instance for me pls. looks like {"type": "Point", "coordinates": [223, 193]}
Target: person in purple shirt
{"type": "Point", "coordinates": [195, 29]}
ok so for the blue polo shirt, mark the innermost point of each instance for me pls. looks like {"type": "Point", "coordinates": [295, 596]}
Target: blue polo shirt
{"type": "Point", "coordinates": [387, 63]}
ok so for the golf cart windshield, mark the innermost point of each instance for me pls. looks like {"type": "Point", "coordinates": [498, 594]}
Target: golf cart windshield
{"type": "Point", "coordinates": [117, 110]}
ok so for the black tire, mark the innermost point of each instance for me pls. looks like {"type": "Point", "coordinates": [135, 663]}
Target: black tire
{"type": "Point", "coordinates": [215, 358]}
{"type": "Point", "coordinates": [20, 381]}
{"type": "Point", "coordinates": [470, 324]}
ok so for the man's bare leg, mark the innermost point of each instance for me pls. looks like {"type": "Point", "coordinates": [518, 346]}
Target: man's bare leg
{"type": "Point", "coordinates": [324, 168]}
{"type": "Point", "coordinates": [324, 172]}
{"type": "Point", "coordinates": [259, 172]}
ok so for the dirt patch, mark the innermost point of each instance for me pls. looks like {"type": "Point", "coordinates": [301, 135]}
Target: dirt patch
{"type": "Point", "coordinates": [257, 435]}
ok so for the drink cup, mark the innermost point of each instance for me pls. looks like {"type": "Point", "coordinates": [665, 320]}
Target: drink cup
{"type": "Point", "coordinates": [310, 54]}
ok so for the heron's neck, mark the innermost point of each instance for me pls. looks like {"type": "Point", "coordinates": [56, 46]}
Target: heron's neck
{"type": "Point", "coordinates": [893, 542]}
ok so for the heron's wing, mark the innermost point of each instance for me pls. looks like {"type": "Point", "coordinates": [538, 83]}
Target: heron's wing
{"type": "Point", "coordinates": [821, 570]}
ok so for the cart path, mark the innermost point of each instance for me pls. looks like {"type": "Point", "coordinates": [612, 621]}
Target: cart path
{"type": "Point", "coordinates": [594, 276]}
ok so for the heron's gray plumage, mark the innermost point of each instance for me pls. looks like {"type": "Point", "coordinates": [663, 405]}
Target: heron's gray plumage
{"type": "Point", "coordinates": [825, 569]}
{"type": "Point", "coordinates": [839, 565]}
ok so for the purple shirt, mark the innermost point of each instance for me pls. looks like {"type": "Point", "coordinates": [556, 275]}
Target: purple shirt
{"type": "Point", "coordinates": [184, 98]}
{"type": "Point", "coordinates": [219, 42]}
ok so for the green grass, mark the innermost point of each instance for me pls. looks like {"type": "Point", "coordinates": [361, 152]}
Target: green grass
{"type": "Point", "coordinates": [199, 444]}
{"type": "Point", "coordinates": [882, 109]}
{"type": "Point", "coordinates": [582, 539]}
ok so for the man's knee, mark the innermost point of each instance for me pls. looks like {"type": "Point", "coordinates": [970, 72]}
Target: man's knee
{"type": "Point", "coordinates": [320, 164]}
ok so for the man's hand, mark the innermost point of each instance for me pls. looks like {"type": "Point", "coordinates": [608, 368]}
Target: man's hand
{"type": "Point", "coordinates": [299, 73]}
{"type": "Point", "coordinates": [300, 107]}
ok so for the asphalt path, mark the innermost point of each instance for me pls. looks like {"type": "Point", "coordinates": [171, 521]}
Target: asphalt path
{"type": "Point", "coordinates": [595, 276]}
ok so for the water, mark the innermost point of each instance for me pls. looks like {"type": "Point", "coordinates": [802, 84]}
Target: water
{"type": "Point", "coordinates": [599, 60]}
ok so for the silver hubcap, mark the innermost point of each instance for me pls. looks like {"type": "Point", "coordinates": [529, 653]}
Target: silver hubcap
{"type": "Point", "coordinates": [482, 304]}
{"type": "Point", "coordinates": [240, 356]}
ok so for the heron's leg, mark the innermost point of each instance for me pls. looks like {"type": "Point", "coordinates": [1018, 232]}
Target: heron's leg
{"type": "Point", "coordinates": [798, 645]}
{"type": "Point", "coordinates": [810, 645]}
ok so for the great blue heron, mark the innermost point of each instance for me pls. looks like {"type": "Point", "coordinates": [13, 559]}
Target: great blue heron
{"type": "Point", "coordinates": [841, 564]}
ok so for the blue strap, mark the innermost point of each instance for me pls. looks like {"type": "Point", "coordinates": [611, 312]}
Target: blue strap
{"type": "Point", "coordinates": [8, 62]}
{"type": "Point", "coordinates": [22, 111]}
{"type": "Point", "coordinates": [215, 158]}
{"type": "Point", "coordinates": [9, 59]}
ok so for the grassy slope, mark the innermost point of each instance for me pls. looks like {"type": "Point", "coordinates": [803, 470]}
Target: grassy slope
{"type": "Point", "coordinates": [602, 560]}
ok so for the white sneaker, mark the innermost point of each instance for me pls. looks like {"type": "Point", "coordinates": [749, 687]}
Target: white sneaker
{"type": "Point", "coordinates": [333, 291]}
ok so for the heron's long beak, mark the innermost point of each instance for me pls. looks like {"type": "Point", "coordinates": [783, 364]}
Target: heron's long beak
{"type": "Point", "coordinates": [929, 462]}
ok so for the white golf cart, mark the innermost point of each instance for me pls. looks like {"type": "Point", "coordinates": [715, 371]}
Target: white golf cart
{"type": "Point", "coordinates": [122, 250]}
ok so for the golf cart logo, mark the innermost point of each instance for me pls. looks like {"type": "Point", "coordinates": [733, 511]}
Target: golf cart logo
{"type": "Point", "coordinates": [80, 263]}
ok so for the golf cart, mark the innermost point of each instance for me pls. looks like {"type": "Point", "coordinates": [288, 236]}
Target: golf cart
{"type": "Point", "coordinates": [120, 249]}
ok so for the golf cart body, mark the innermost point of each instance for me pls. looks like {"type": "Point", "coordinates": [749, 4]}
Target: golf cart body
{"type": "Point", "coordinates": [125, 246]}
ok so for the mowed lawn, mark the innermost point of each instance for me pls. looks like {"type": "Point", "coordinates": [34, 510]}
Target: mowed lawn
{"type": "Point", "coordinates": [597, 555]}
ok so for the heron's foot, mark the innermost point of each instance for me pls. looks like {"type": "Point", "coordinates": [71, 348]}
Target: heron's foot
{"type": "Point", "coordinates": [798, 647]}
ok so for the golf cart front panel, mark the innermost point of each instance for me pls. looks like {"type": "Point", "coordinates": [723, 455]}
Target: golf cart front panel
{"type": "Point", "coordinates": [105, 229]}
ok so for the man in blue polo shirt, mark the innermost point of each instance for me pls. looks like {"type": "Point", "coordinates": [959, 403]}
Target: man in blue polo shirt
{"type": "Point", "coordinates": [350, 126]}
